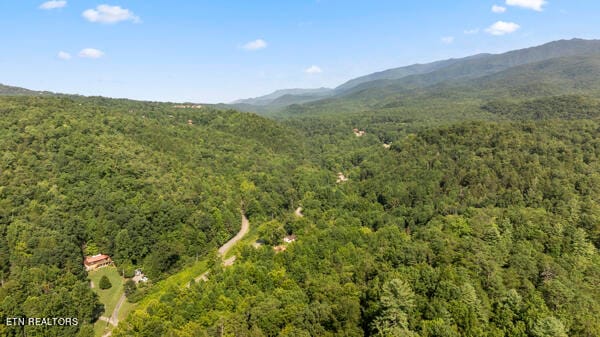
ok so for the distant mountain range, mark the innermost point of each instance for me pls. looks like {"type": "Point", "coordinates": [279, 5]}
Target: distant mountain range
{"type": "Point", "coordinates": [280, 96]}
{"type": "Point", "coordinates": [559, 67]}
{"type": "Point", "coordinates": [6, 90]}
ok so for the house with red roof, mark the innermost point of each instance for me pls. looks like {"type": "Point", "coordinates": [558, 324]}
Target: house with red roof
{"type": "Point", "coordinates": [97, 261]}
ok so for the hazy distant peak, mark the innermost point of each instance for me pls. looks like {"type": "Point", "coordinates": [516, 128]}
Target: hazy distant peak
{"type": "Point", "coordinates": [270, 98]}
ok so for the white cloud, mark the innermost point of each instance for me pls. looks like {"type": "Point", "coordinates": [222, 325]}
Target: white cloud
{"type": "Point", "coordinates": [53, 4]}
{"type": "Point", "coordinates": [91, 53]}
{"type": "Point", "coordinates": [536, 5]}
{"type": "Point", "coordinates": [64, 55]}
{"type": "Point", "coordinates": [255, 45]}
{"type": "Point", "coordinates": [313, 70]}
{"type": "Point", "coordinates": [472, 31]}
{"type": "Point", "coordinates": [448, 39]}
{"type": "Point", "coordinates": [502, 28]}
{"type": "Point", "coordinates": [110, 14]}
{"type": "Point", "coordinates": [498, 9]}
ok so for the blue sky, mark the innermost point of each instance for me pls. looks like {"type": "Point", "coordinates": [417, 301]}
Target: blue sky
{"type": "Point", "coordinates": [215, 51]}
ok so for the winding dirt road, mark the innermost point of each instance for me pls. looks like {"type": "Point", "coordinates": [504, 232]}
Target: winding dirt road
{"type": "Point", "coordinates": [114, 318]}
{"type": "Point", "coordinates": [227, 246]}
{"type": "Point", "coordinates": [240, 235]}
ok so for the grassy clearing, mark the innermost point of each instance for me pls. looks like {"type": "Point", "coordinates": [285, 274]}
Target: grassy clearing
{"type": "Point", "coordinates": [108, 297]}
{"type": "Point", "coordinates": [102, 327]}
{"type": "Point", "coordinates": [171, 284]}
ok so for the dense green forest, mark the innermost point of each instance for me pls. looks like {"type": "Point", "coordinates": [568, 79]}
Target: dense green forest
{"type": "Point", "coordinates": [468, 207]}
{"type": "Point", "coordinates": [132, 180]}
{"type": "Point", "coordinates": [486, 228]}
{"type": "Point", "coordinates": [478, 229]}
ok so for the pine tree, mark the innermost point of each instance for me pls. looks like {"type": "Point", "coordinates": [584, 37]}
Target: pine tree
{"type": "Point", "coordinates": [105, 283]}
{"type": "Point", "coordinates": [397, 300]}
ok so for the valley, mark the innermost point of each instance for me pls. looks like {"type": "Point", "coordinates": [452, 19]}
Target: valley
{"type": "Point", "coordinates": [457, 198]}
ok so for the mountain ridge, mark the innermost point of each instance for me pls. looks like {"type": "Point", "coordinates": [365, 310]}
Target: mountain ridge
{"type": "Point", "coordinates": [417, 76]}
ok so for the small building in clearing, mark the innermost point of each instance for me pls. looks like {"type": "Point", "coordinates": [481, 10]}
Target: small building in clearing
{"type": "Point", "coordinates": [359, 133]}
{"type": "Point", "coordinates": [97, 261]}
{"type": "Point", "coordinates": [139, 277]}
{"type": "Point", "coordinates": [341, 178]}
{"type": "Point", "coordinates": [290, 238]}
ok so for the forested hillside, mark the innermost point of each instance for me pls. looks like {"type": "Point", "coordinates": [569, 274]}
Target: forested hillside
{"type": "Point", "coordinates": [576, 75]}
{"type": "Point", "coordinates": [471, 67]}
{"type": "Point", "coordinates": [466, 223]}
{"type": "Point", "coordinates": [150, 185]}
{"type": "Point", "coordinates": [449, 202]}
{"type": "Point", "coordinates": [480, 229]}
{"type": "Point", "coordinates": [556, 68]}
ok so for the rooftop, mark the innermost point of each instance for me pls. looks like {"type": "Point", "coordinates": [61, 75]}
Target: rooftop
{"type": "Point", "coordinates": [96, 258]}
